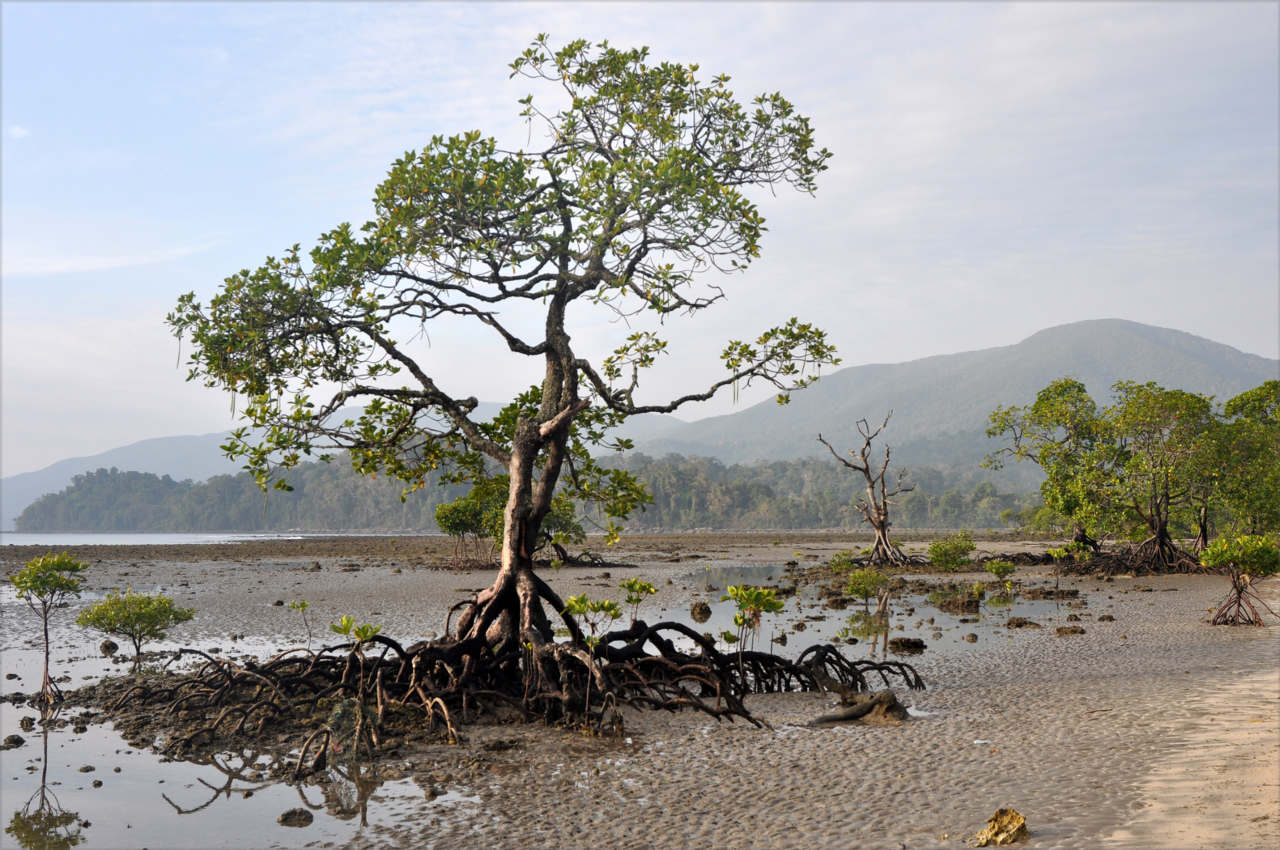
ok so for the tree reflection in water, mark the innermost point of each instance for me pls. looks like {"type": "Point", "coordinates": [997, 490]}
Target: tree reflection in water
{"type": "Point", "coordinates": [42, 824]}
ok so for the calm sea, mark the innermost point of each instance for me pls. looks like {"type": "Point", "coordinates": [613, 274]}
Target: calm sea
{"type": "Point", "coordinates": [55, 539]}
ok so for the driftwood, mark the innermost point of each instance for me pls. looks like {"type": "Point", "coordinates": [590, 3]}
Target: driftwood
{"type": "Point", "coordinates": [880, 707]}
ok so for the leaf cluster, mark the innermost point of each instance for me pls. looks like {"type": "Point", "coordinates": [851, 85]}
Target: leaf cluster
{"type": "Point", "coordinates": [137, 616]}
{"type": "Point", "coordinates": [49, 579]}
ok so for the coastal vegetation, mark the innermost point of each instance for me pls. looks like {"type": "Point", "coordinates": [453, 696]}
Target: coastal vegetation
{"type": "Point", "coordinates": [642, 188]}
{"type": "Point", "coordinates": [140, 617]}
{"type": "Point", "coordinates": [1153, 462]}
{"type": "Point", "coordinates": [688, 493]}
{"type": "Point", "coordinates": [45, 583]}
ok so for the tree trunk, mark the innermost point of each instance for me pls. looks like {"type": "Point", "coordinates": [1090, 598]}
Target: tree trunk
{"type": "Point", "coordinates": [1082, 536]}
{"type": "Point", "coordinates": [1202, 529]}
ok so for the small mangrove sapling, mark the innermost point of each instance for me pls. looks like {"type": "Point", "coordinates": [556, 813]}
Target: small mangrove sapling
{"type": "Point", "coordinates": [1248, 558]}
{"type": "Point", "coordinates": [137, 616]}
{"type": "Point", "coordinates": [866, 583]}
{"type": "Point", "coordinates": [44, 583]}
{"type": "Point", "coordinates": [636, 591]}
{"type": "Point", "coordinates": [594, 613]}
{"type": "Point", "coordinates": [301, 606]}
{"type": "Point", "coordinates": [1000, 568]}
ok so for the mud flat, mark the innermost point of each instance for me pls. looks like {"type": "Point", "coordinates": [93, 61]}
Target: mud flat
{"type": "Point", "coordinates": [1149, 730]}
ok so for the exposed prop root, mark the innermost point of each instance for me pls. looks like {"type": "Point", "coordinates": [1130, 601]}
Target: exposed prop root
{"type": "Point", "coordinates": [1142, 559]}
{"type": "Point", "coordinates": [1240, 608]}
{"type": "Point", "coordinates": [344, 695]}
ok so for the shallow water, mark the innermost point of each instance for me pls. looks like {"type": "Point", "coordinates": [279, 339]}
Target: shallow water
{"type": "Point", "coordinates": [155, 802]}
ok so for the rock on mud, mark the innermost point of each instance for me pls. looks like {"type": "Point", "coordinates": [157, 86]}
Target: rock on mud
{"type": "Point", "coordinates": [1004, 827]}
{"type": "Point", "coordinates": [295, 817]}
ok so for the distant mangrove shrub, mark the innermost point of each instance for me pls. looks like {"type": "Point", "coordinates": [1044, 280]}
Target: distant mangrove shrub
{"type": "Point", "coordinates": [1000, 568]}
{"type": "Point", "coordinates": [842, 561]}
{"type": "Point", "coordinates": [139, 617]}
{"type": "Point", "coordinates": [951, 552]}
{"type": "Point", "coordinates": [866, 583]}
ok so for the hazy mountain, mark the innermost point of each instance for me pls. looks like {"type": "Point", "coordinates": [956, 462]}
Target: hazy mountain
{"type": "Point", "coordinates": [941, 404]}
{"type": "Point", "coordinates": [195, 457]}
{"type": "Point", "coordinates": [198, 458]}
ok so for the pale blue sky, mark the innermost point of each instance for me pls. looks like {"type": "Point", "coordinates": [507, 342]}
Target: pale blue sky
{"type": "Point", "coordinates": [998, 169]}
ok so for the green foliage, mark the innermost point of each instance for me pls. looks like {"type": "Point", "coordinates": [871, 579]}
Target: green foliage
{"type": "Point", "coordinates": [301, 606]}
{"type": "Point", "coordinates": [595, 613]}
{"type": "Point", "coordinates": [1251, 554]}
{"type": "Point", "coordinates": [48, 579]}
{"type": "Point", "coordinates": [480, 512]}
{"type": "Point", "coordinates": [362, 634]}
{"type": "Point", "coordinates": [636, 590]}
{"type": "Point", "coordinates": [1154, 460]}
{"type": "Point", "coordinates": [643, 183]}
{"type": "Point", "coordinates": [686, 492]}
{"type": "Point", "coordinates": [951, 552]}
{"type": "Point", "coordinates": [1000, 568]}
{"type": "Point", "coordinates": [43, 583]}
{"type": "Point", "coordinates": [866, 583]}
{"type": "Point", "coordinates": [752, 603]}
{"type": "Point", "coordinates": [139, 617]}
{"type": "Point", "coordinates": [842, 561]}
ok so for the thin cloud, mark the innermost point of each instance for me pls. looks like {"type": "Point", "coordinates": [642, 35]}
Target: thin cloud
{"type": "Point", "coordinates": [21, 266]}
{"type": "Point", "coordinates": [17, 131]}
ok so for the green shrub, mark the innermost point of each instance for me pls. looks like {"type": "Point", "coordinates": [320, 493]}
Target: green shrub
{"type": "Point", "coordinates": [842, 561]}
{"type": "Point", "coordinates": [1248, 554]}
{"type": "Point", "coordinates": [865, 583]}
{"type": "Point", "coordinates": [137, 616]}
{"type": "Point", "coordinates": [1000, 568]}
{"type": "Point", "coordinates": [951, 552]}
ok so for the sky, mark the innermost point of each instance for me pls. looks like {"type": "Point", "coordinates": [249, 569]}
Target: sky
{"type": "Point", "coordinates": [998, 169]}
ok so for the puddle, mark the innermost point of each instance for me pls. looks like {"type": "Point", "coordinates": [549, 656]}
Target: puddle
{"type": "Point", "coordinates": [944, 634]}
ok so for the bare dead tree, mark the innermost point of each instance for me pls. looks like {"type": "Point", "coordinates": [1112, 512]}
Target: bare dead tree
{"type": "Point", "coordinates": [874, 506]}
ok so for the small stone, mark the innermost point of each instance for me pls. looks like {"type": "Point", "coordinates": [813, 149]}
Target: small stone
{"type": "Point", "coordinates": [1106, 618]}
{"type": "Point", "coordinates": [1073, 618]}
{"type": "Point", "coordinates": [700, 612]}
{"type": "Point", "coordinates": [1063, 631]}
{"type": "Point", "coordinates": [87, 768]}
{"type": "Point", "coordinates": [971, 637]}
{"type": "Point", "coordinates": [279, 603]}
{"type": "Point", "coordinates": [1022, 623]}
{"type": "Point", "coordinates": [296, 817]}
{"type": "Point", "coordinates": [12, 741]}
{"type": "Point", "coordinates": [108, 647]}
{"type": "Point", "coordinates": [97, 783]}
{"type": "Point", "coordinates": [27, 723]}
{"type": "Point", "coordinates": [79, 728]}
{"type": "Point", "coordinates": [12, 676]}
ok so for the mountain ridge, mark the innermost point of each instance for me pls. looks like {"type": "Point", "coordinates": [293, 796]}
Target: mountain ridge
{"type": "Point", "coordinates": [940, 404]}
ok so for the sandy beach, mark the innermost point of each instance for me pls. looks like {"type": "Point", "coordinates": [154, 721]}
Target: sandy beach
{"type": "Point", "coordinates": [1151, 730]}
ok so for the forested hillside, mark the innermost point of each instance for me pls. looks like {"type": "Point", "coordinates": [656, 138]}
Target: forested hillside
{"type": "Point", "coordinates": [688, 493]}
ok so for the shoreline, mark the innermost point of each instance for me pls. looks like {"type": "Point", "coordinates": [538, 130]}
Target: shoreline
{"type": "Point", "coordinates": [1082, 735]}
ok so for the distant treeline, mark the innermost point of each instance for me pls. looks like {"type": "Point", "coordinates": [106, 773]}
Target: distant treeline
{"type": "Point", "coordinates": [688, 493]}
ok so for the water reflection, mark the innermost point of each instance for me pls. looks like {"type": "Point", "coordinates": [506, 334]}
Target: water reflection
{"type": "Point", "coordinates": [43, 824]}
{"type": "Point", "coordinates": [245, 768]}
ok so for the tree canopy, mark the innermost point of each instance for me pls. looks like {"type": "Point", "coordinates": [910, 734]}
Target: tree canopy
{"type": "Point", "coordinates": [1154, 461]}
{"type": "Point", "coordinates": [637, 195]}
